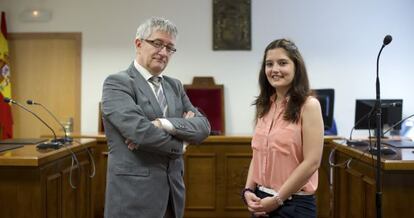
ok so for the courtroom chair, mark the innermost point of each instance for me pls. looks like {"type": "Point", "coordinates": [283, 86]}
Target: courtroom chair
{"type": "Point", "coordinates": [208, 97]}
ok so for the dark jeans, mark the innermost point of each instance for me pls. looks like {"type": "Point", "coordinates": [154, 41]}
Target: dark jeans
{"type": "Point", "coordinates": [299, 206]}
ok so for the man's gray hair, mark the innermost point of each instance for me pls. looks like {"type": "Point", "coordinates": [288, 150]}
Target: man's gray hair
{"type": "Point", "coordinates": [156, 24]}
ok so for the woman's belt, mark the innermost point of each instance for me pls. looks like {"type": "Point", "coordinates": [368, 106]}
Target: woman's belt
{"type": "Point", "coordinates": [273, 192]}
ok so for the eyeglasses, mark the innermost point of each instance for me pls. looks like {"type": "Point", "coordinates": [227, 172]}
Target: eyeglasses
{"type": "Point", "coordinates": [160, 45]}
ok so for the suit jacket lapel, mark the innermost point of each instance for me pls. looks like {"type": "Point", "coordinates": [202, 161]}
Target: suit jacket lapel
{"type": "Point", "coordinates": [142, 85]}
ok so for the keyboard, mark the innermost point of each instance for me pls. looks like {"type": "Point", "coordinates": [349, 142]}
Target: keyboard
{"type": "Point", "coordinates": [399, 143]}
{"type": "Point", "coordinates": [9, 147]}
{"type": "Point", "coordinates": [385, 149]}
{"type": "Point", "coordinates": [357, 143]}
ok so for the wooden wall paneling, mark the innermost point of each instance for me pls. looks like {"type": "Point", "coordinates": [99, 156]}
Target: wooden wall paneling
{"type": "Point", "coordinates": [18, 193]}
{"type": "Point", "coordinates": [354, 189]}
{"type": "Point", "coordinates": [340, 191]}
{"type": "Point", "coordinates": [237, 167]}
{"type": "Point", "coordinates": [356, 193]}
{"type": "Point", "coordinates": [45, 67]}
{"type": "Point", "coordinates": [53, 195]}
{"type": "Point", "coordinates": [224, 175]}
{"type": "Point", "coordinates": [398, 193]}
{"type": "Point", "coordinates": [69, 202]}
{"type": "Point", "coordinates": [84, 198]}
{"type": "Point", "coordinates": [69, 195]}
{"type": "Point", "coordinates": [200, 176]}
{"type": "Point", "coordinates": [369, 197]}
{"type": "Point", "coordinates": [99, 181]}
{"type": "Point", "coordinates": [324, 193]}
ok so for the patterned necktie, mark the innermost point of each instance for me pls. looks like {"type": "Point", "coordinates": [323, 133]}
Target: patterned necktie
{"type": "Point", "coordinates": [156, 81]}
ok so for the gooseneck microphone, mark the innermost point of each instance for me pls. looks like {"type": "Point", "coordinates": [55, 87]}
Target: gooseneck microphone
{"type": "Point", "coordinates": [377, 151]}
{"type": "Point", "coordinates": [66, 137]}
{"type": "Point", "coordinates": [387, 40]}
{"type": "Point", "coordinates": [51, 144]}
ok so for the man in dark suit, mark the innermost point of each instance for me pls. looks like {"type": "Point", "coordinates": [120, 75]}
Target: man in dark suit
{"type": "Point", "coordinates": [148, 121]}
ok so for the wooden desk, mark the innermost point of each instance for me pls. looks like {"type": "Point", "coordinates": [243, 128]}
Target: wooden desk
{"type": "Point", "coordinates": [355, 186]}
{"type": "Point", "coordinates": [36, 183]}
{"type": "Point", "coordinates": [215, 172]}
{"type": "Point", "coordinates": [99, 183]}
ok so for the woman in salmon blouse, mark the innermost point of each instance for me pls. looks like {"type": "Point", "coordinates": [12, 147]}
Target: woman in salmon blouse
{"type": "Point", "coordinates": [288, 139]}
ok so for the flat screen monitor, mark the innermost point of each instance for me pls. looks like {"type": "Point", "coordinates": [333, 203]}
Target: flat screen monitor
{"type": "Point", "coordinates": [326, 98]}
{"type": "Point", "coordinates": [365, 118]}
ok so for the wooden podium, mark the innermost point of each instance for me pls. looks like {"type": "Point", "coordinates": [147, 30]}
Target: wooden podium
{"type": "Point", "coordinates": [37, 183]}
{"type": "Point", "coordinates": [354, 183]}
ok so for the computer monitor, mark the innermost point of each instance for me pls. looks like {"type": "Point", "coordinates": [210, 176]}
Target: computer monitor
{"type": "Point", "coordinates": [326, 98]}
{"type": "Point", "coordinates": [365, 118]}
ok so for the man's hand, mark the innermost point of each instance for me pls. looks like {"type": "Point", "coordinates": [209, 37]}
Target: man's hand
{"type": "Point", "coordinates": [131, 146]}
{"type": "Point", "coordinates": [188, 114]}
{"type": "Point", "coordinates": [157, 123]}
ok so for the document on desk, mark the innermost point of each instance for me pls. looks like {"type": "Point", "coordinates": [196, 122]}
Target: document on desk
{"type": "Point", "coordinates": [407, 154]}
{"type": "Point", "coordinates": [5, 147]}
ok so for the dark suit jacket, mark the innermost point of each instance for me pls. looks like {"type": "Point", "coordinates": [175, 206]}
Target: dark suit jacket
{"type": "Point", "coordinates": [139, 182]}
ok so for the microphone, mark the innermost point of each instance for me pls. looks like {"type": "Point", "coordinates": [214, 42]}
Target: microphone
{"type": "Point", "coordinates": [51, 144]}
{"type": "Point", "coordinates": [387, 40]}
{"type": "Point", "coordinates": [62, 140]}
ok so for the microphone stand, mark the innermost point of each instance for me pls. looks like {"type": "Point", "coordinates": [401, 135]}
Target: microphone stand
{"type": "Point", "coordinates": [378, 195]}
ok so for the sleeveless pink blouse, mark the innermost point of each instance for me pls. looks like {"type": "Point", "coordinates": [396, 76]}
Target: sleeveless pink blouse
{"type": "Point", "coordinates": [277, 150]}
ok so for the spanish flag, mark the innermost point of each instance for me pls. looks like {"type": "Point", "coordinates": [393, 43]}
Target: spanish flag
{"type": "Point", "coordinates": [6, 122]}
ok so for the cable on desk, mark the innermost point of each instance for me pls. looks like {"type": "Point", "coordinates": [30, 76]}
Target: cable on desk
{"type": "Point", "coordinates": [344, 164]}
{"type": "Point", "coordinates": [92, 162]}
{"type": "Point", "coordinates": [74, 159]}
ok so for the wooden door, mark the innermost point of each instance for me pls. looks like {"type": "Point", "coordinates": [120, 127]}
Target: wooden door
{"type": "Point", "coordinates": [45, 67]}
